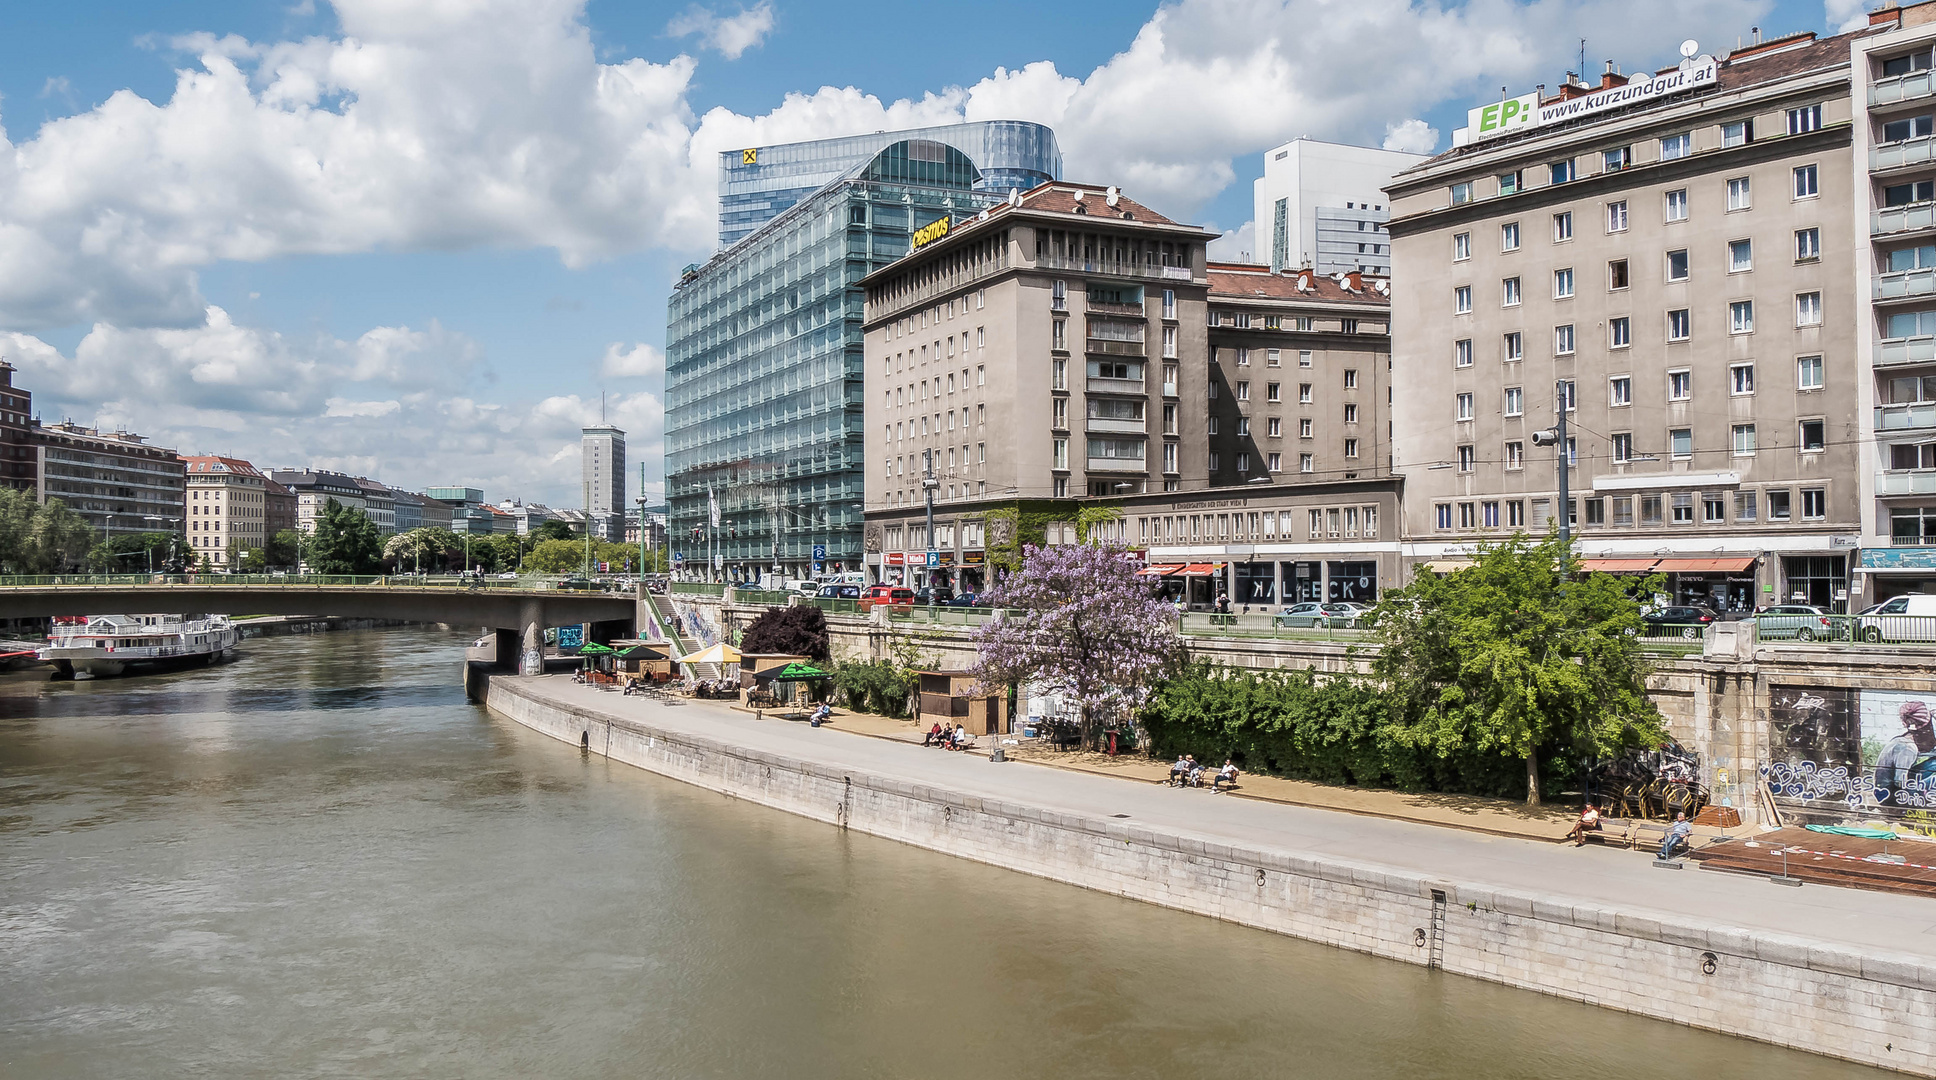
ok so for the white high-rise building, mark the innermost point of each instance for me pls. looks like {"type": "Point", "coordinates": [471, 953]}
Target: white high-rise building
{"type": "Point", "coordinates": [1322, 206]}
{"type": "Point", "coordinates": [604, 465]}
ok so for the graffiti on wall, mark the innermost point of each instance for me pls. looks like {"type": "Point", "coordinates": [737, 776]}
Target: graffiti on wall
{"type": "Point", "coordinates": [1860, 752]}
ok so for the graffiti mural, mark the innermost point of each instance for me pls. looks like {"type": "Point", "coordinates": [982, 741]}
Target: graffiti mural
{"type": "Point", "coordinates": [1854, 753]}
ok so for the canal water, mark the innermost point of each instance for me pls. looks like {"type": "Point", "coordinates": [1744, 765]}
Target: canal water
{"type": "Point", "coordinates": [318, 860]}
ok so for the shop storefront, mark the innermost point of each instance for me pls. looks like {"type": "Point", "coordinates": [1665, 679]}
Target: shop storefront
{"type": "Point", "coordinates": [1821, 580]}
{"type": "Point", "coordinates": [1892, 572]}
{"type": "Point", "coordinates": [1256, 584]}
{"type": "Point", "coordinates": [1724, 584]}
{"type": "Point", "coordinates": [1351, 582]}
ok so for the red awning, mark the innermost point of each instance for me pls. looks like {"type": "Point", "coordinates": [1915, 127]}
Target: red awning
{"type": "Point", "coordinates": [1730, 564]}
{"type": "Point", "coordinates": [1618, 566]}
{"type": "Point", "coordinates": [1201, 569]}
{"type": "Point", "coordinates": [1159, 571]}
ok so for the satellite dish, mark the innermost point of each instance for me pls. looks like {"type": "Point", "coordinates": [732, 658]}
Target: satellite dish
{"type": "Point", "coordinates": [1113, 195]}
{"type": "Point", "coordinates": [1014, 197]}
{"type": "Point", "coordinates": [1690, 48]}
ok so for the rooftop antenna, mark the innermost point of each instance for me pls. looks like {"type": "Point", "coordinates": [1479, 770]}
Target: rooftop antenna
{"type": "Point", "coordinates": [1582, 68]}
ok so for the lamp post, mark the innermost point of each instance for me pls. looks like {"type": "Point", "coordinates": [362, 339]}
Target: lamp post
{"type": "Point", "coordinates": [928, 486]}
{"type": "Point", "coordinates": [1556, 436]}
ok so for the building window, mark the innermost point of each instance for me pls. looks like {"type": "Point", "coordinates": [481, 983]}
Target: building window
{"type": "Point", "coordinates": [1461, 246]}
{"type": "Point", "coordinates": [1509, 183]}
{"type": "Point", "coordinates": [1680, 442]}
{"type": "Point", "coordinates": [1714, 508]}
{"type": "Point", "coordinates": [1275, 428]}
{"type": "Point", "coordinates": [1739, 196]}
{"type": "Point", "coordinates": [1744, 440]}
{"type": "Point", "coordinates": [1808, 245]}
{"type": "Point", "coordinates": [1804, 120]}
{"type": "Point", "coordinates": [1805, 182]}
{"type": "Point", "coordinates": [1622, 447]}
{"type": "Point", "coordinates": [1515, 455]}
{"type": "Point", "coordinates": [1351, 378]}
{"type": "Point", "coordinates": [1243, 462]}
{"type": "Point", "coordinates": [1684, 508]}
{"type": "Point", "coordinates": [1351, 448]}
{"type": "Point", "coordinates": [1466, 517]}
{"type": "Point", "coordinates": [1813, 435]}
{"type": "Point", "coordinates": [1059, 335]}
{"type": "Point", "coordinates": [1509, 292]}
{"type": "Point", "coordinates": [1515, 401]}
{"type": "Point", "coordinates": [1273, 358]}
{"type": "Point", "coordinates": [1059, 374]}
{"type": "Point", "coordinates": [1059, 413]}
{"type": "Point", "coordinates": [1211, 426]}
{"type": "Point", "coordinates": [1509, 236]}
{"type": "Point", "coordinates": [1808, 309]}
{"type": "Point", "coordinates": [1169, 342]}
{"type": "Point", "coordinates": [1650, 510]}
{"type": "Point", "coordinates": [1462, 353]}
{"type": "Point", "coordinates": [1623, 510]}
{"type": "Point", "coordinates": [1462, 300]}
{"type": "Point", "coordinates": [1562, 172]}
{"type": "Point", "coordinates": [1463, 407]}
{"type": "Point", "coordinates": [1275, 462]}
{"type": "Point", "coordinates": [1740, 256]}
{"type": "Point", "coordinates": [1272, 392]}
{"type": "Point", "coordinates": [1679, 325]}
{"type": "Point", "coordinates": [1808, 373]}
{"type": "Point", "coordinates": [1739, 133]}
{"type": "Point", "coordinates": [1243, 391]}
{"type": "Point", "coordinates": [1562, 226]}
{"type": "Point", "coordinates": [1741, 317]}
{"type": "Point", "coordinates": [1215, 461]}
{"type": "Point", "coordinates": [1514, 346]}
{"type": "Point", "coordinates": [1677, 205]}
{"type": "Point", "coordinates": [1169, 457]}
{"type": "Point", "coordinates": [1061, 452]}
{"type": "Point", "coordinates": [1304, 427]}
{"type": "Point", "coordinates": [1059, 296]}
{"type": "Point", "coordinates": [1304, 357]}
{"type": "Point", "coordinates": [1351, 413]}
{"type": "Point", "coordinates": [1744, 506]}
{"type": "Point", "coordinates": [1616, 159]}
{"type": "Point", "coordinates": [1680, 385]}
{"type": "Point", "coordinates": [1741, 379]}
{"type": "Point", "coordinates": [1619, 332]}
{"type": "Point", "coordinates": [1778, 506]}
{"type": "Point", "coordinates": [1617, 276]}
{"type": "Point", "coordinates": [1306, 463]}
{"type": "Point", "coordinates": [1442, 513]}
{"type": "Point", "coordinates": [1563, 340]}
{"type": "Point", "coordinates": [1617, 216]}
{"type": "Point", "coordinates": [1676, 146]}
{"type": "Point", "coordinates": [1562, 283]}
{"type": "Point", "coordinates": [1304, 393]}
{"type": "Point", "coordinates": [1814, 504]}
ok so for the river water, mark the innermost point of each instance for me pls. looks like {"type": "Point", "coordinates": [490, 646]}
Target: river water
{"type": "Point", "coordinates": [318, 860]}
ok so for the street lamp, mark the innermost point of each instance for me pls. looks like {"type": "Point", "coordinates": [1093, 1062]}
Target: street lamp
{"type": "Point", "coordinates": [1556, 436]}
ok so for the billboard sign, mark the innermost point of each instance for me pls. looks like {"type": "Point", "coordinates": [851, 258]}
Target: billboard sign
{"type": "Point", "coordinates": [1525, 111]}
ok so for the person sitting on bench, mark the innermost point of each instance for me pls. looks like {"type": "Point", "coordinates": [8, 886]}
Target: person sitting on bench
{"type": "Point", "coordinates": [1676, 837]}
{"type": "Point", "coordinates": [1180, 771]}
{"type": "Point", "coordinates": [1589, 822]}
{"type": "Point", "coordinates": [1225, 775]}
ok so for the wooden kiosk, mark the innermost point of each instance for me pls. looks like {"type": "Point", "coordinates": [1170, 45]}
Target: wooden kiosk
{"type": "Point", "coordinates": [952, 697]}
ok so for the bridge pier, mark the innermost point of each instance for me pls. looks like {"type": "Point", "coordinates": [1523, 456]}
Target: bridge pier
{"type": "Point", "coordinates": [531, 657]}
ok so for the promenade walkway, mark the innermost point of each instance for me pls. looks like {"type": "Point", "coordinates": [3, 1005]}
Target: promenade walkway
{"type": "Point", "coordinates": [1559, 874]}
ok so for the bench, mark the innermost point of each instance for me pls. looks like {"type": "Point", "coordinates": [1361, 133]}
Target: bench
{"type": "Point", "coordinates": [1629, 832]}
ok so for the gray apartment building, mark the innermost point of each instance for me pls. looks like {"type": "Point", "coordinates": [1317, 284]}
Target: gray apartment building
{"type": "Point", "coordinates": [113, 479]}
{"type": "Point", "coordinates": [1668, 257]}
{"type": "Point", "coordinates": [602, 448]}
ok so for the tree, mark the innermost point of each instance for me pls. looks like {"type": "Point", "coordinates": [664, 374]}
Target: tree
{"type": "Point", "coordinates": [791, 631]}
{"type": "Point", "coordinates": [556, 556]}
{"type": "Point", "coordinates": [58, 537]}
{"type": "Point", "coordinates": [426, 549]}
{"type": "Point", "coordinates": [284, 549]}
{"type": "Point", "coordinates": [345, 542]}
{"type": "Point", "coordinates": [553, 529]}
{"type": "Point", "coordinates": [138, 553]}
{"type": "Point", "coordinates": [253, 560]}
{"type": "Point", "coordinates": [1084, 626]}
{"type": "Point", "coordinates": [1517, 653]}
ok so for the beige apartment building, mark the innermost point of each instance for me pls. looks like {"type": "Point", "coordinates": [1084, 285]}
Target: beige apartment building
{"type": "Point", "coordinates": [1670, 256]}
{"type": "Point", "coordinates": [227, 508]}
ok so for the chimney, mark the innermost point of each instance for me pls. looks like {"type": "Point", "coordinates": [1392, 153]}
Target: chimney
{"type": "Point", "coordinates": [1887, 14]}
{"type": "Point", "coordinates": [1611, 77]}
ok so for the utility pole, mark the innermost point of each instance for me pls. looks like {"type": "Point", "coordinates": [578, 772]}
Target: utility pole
{"type": "Point", "coordinates": [1556, 436]}
{"type": "Point", "coordinates": [588, 532]}
{"type": "Point", "coordinates": [642, 528]}
{"type": "Point", "coordinates": [778, 575]}
{"type": "Point", "coordinates": [928, 486]}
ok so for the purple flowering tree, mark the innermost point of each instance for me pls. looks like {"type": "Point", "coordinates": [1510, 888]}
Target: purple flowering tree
{"type": "Point", "coordinates": [1083, 625]}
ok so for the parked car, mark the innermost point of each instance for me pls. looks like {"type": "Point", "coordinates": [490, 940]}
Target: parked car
{"type": "Point", "coordinates": [1691, 619]}
{"type": "Point", "coordinates": [840, 592]}
{"type": "Point", "coordinates": [933, 594]}
{"type": "Point", "coordinates": [1904, 618]}
{"type": "Point", "coordinates": [1312, 614]}
{"type": "Point", "coordinates": [1798, 621]}
{"type": "Point", "coordinates": [1355, 611]}
{"type": "Point", "coordinates": [893, 595]}
{"type": "Point", "coordinates": [803, 587]}
{"type": "Point", "coordinates": [965, 599]}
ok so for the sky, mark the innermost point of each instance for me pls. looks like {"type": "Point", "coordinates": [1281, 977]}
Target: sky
{"type": "Point", "coordinates": [427, 240]}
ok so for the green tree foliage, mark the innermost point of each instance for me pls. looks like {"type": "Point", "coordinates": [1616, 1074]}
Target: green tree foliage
{"type": "Point", "coordinates": [40, 538]}
{"type": "Point", "coordinates": [1516, 655]}
{"type": "Point", "coordinates": [137, 553]}
{"type": "Point", "coordinates": [345, 542]}
{"type": "Point", "coordinates": [799, 631]}
{"type": "Point", "coordinates": [254, 560]}
{"type": "Point", "coordinates": [284, 549]}
{"type": "Point", "coordinates": [553, 530]}
{"type": "Point", "coordinates": [556, 556]}
{"type": "Point", "coordinates": [876, 686]}
{"type": "Point", "coordinates": [429, 549]}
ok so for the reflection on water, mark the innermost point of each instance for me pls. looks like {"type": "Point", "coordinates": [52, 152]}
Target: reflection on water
{"type": "Point", "coordinates": [319, 861]}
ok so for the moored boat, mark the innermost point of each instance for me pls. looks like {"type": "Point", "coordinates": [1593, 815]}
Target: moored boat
{"type": "Point", "coordinates": [111, 644]}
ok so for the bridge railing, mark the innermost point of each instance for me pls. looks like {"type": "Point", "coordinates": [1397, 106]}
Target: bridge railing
{"type": "Point", "coordinates": [391, 581]}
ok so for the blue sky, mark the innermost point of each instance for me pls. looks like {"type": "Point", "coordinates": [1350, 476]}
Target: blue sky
{"type": "Point", "coordinates": [416, 241]}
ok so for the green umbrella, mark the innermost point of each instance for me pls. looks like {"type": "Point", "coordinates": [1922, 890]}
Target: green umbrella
{"type": "Point", "coordinates": [595, 649]}
{"type": "Point", "coordinates": [797, 672]}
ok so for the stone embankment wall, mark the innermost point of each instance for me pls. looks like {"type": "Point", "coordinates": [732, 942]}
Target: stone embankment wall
{"type": "Point", "coordinates": [1783, 990]}
{"type": "Point", "coordinates": [284, 625]}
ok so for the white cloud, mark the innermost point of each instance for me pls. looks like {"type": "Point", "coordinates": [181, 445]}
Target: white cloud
{"type": "Point", "coordinates": [730, 36]}
{"type": "Point", "coordinates": [640, 361]}
{"type": "Point", "coordinates": [1237, 245]}
{"type": "Point", "coordinates": [1846, 15]}
{"type": "Point", "coordinates": [1411, 137]}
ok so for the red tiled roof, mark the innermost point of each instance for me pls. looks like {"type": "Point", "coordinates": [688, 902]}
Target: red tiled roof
{"type": "Point", "coordinates": [1058, 197]}
{"type": "Point", "coordinates": [1251, 280]}
{"type": "Point", "coordinates": [205, 463]}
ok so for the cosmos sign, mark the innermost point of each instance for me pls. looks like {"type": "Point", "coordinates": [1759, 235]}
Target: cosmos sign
{"type": "Point", "coordinates": [928, 234]}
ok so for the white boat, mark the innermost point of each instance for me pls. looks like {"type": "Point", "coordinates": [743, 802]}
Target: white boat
{"type": "Point", "coordinates": [110, 644]}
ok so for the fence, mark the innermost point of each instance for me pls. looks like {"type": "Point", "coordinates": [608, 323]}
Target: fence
{"type": "Point", "coordinates": [390, 581]}
{"type": "Point", "coordinates": [1847, 631]}
{"type": "Point", "coordinates": [698, 588]}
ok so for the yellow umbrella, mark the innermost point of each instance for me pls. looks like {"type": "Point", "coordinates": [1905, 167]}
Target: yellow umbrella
{"type": "Point", "coordinates": [721, 653]}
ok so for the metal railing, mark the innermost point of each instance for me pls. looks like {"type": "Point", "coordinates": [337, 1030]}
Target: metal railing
{"type": "Point", "coordinates": [1904, 284]}
{"type": "Point", "coordinates": [1909, 416]}
{"type": "Point", "coordinates": [697, 588]}
{"type": "Point", "coordinates": [1897, 88]}
{"type": "Point", "coordinates": [1890, 352]}
{"type": "Point", "coordinates": [768, 597]}
{"type": "Point", "coordinates": [1847, 631]}
{"type": "Point", "coordinates": [832, 606]}
{"type": "Point", "coordinates": [1900, 219]}
{"type": "Point", "coordinates": [1902, 154]}
{"type": "Point", "coordinates": [388, 581]}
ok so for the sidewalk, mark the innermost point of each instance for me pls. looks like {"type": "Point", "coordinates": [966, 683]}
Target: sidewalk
{"type": "Point", "coordinates": [1595, 876]}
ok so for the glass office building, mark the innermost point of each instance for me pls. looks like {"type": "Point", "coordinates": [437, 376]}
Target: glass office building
{"type": "Point", "coordinates": [758, 184]}
{"type": "Point", "coordinates": [764, 373]}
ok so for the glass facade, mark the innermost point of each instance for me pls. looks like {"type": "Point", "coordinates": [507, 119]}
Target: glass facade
{"type": "Point", "coordinates": [758, 184]}
{"type": "Point", "coordinates": [764, 370]}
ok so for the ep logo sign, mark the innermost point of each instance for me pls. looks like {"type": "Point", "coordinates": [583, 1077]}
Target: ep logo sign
{"type": "Point", "coordinates": [1503, 116]}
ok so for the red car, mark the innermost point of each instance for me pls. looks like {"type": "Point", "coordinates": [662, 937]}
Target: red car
{"type": "Point", "coordinates": [885, 594]}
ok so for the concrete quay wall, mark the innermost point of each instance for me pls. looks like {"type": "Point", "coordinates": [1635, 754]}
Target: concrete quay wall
{"type": "Point", "coordinates": [1786, 990]}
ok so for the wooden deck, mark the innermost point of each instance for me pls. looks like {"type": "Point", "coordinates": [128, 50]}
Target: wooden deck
{"type": "Point", "coordinates": [1827, 859]}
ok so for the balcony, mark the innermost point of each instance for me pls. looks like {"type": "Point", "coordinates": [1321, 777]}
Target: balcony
{"type": "Point", "coordinates": [1891, 220]}
{"type": "Point", "coordinates": [1116, 386]}
{"type": "Point", "coordinates": [1121, 465]}
{"type": "Point", "coordinates": [1906, 482]}
{"type": "Point", "coordinates": [1904, 284]}
{"type": "Point", "coordinates": [1114, 268]}
{"type": "Point", "coordinates": [1896, 352]}
{"type": "Point", "coordinates": [1891, 156]}
{"type": "Point", "coordinates": [1099, 307]}
{"type": "Point", "coordinates": [1916, 416]}
{"type": "Point", "coordinates": [1110, 347]}
{"type": "Point", "coordinates": [1117, 427]}
{"type": "Point", "coordinates": [1914, 86]}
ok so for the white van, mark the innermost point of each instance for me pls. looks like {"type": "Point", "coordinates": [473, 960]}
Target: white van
{"type": "Point", "coordinates": [855, 578]}
{"type": "Point", "coordinates": [1905, 618]}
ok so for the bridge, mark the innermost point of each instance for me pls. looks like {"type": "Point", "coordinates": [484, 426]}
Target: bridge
{"type": "Point", "coordinates": [516, 609]}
